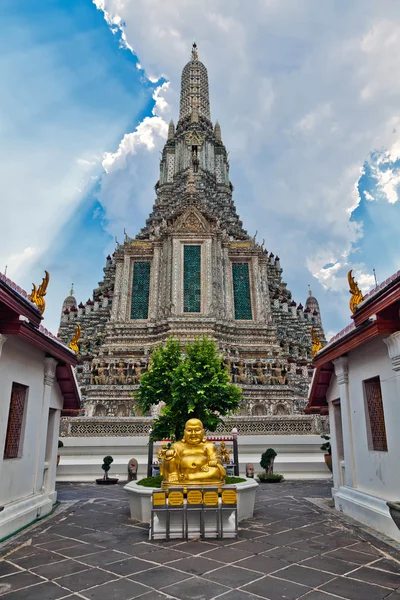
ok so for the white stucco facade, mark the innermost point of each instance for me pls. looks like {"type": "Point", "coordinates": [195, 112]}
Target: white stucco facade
{"type": "Point", "coordinates": [27, 488]}
{"type": "Point", "coordinates": [365, 479]}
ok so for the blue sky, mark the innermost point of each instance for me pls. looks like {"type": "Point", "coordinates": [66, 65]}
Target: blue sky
{"type": "Point", "coordinates": [307, 96]}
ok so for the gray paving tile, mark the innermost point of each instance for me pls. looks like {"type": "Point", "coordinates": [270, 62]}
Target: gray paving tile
{"type": "Point", "coordinates": [164, 556]}
{"type": "Point", "coordinates": [192, 588]}
{"type": "Point", "coordinates": [121, 589]}
{"type": "Point", "coordinates": [195, 547]}
{"type": "Point", "coordinates": [384, 578]}
{"type": "Point", "coordinates": [85, 579]}
{"type": "Point", "coordinates": [128, 566]}
{"type": "Point", "coordinates": [137, 549]}
{"type": "Point", "coordinates": [352, 556]}
{"type": "Point", "coordinates": [366, 547]}
{"type": "Point", "coordinates": [263, 564]}
{"type": "Point", "coordinates": [160, 577]}
{"type": "Point", "coordinates": [99, 559]}
{"type": "Point", "coordinates": [291, 555]}
{"type": "Point", "coordinates": [60, 569]}
{"type": "Point", "coordinates": [387, 565]}
{"type": "Point", "coordinates": [196, 565]}
{"type": "Point", "coordinates": [304, 575]}
{"type": "Point", "coordinates": [10, 583]}
{"type": "Point", "coordinates": [232, 576]}
{"type": "Point", "coordinates": [317, 595]}
{"type": "Point", "coordinates": [329, 564]}
{"type": "Point", "coordinates": [253, 546]}
{"type": "Point", "coordinates": [7, 568]}
{"type": "Point", "coordinates": [227, 554]}
{"type": "Point", "coordinates": [354, 590]}
{"type": "Point", "coordinates": [41, 591]}
{"type": "Point", "coordinates": [276, 589]}
{"type": "Point", "coordinates": [238, 595]}
{"type": "Point", "coordinates": [79, 550]}
{"type": "Point", "coordinates": [59, 544]}
{"type": "Point", "coordinates": [292, 537]}
{"type": "Point", "coordinates": [156, 596]}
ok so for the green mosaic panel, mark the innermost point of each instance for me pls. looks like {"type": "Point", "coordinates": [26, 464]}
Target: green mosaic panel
{"type": "Point", "coordinates": [192, 279]}
{"type": "Point", "coordinates": [241, 291]}
{"type": "Point", "coordinates": [140, 290]}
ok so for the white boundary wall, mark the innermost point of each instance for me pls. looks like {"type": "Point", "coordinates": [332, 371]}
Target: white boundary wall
{"type": "Point", "coordinates": [299, 456]}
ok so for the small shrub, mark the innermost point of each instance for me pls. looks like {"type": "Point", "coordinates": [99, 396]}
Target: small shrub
{"type": "Point", "coordinates": [154, 482]}
{"type": "Point", "coordinates": [107, 460]}
{"type": "Point", "coordinates": [274, 477]}
{"type": "Point", "coordinates": [233, 480]}
{"type": "Point", "coordinates": [327, 446]}
{"type": "Point", "coordinates": [267, 461]}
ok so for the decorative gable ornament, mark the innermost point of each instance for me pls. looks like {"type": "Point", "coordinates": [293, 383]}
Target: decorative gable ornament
{"type": "Point", "coordinates": [192, 221]}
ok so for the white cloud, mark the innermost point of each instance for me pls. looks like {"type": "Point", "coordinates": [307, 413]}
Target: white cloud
{"type": "Point", "coordinates": [304, 92]}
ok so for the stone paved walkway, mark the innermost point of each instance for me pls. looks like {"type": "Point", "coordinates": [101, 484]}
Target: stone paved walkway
{"type": "Point", "coordinates": [89, 549]}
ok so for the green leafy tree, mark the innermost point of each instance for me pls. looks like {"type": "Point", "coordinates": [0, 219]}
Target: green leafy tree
{"type": "Point", "coordinates": [195, 384]}
{"type": "Point", "coordinates": [267, 461]}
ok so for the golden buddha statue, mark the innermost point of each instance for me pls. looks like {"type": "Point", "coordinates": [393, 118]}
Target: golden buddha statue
{"type": "Point", "coordinates": [193, 460]}
{"type": "Point", "coordinates": [225, 454]}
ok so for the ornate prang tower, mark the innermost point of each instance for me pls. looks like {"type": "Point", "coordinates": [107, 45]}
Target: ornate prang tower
{"type": "Point", "coordinates": [193, 270]}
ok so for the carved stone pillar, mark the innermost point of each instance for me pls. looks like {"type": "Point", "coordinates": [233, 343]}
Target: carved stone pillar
{"type": "Point", "coordinates": [117, 290]}
{"type": "Point", "coordinates": [3, 339]}
{"type": "Point", "coordinates": [342, 375]}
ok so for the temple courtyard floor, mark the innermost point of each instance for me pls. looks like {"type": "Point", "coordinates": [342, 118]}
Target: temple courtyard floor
{"type": "Point", "coordinates": [294, 547]}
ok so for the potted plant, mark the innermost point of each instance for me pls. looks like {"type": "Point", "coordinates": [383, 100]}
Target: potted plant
{"type": "Point", "coordinates": [326, 448]}
{"type": "Point", "coordinates": [106, 480]}
{"type": "Point", "coordinates": [60, 445]}
{"type": "Point", "coordinates": [267, 463]}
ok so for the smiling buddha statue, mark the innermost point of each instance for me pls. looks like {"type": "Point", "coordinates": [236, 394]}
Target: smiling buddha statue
{"type": "Point", "coordinates": [193, 460]}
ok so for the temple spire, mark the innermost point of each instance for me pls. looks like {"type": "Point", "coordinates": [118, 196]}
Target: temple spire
{"type": "Point", "coordinates": [194, 88]}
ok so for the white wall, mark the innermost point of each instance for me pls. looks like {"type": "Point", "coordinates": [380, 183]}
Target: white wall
{"type": "Point", "coordinates": [27, 482]}
{"type": "Point", "coordinates": [376, 476]}
{"type": "Point", "coordinates": [299, 456]}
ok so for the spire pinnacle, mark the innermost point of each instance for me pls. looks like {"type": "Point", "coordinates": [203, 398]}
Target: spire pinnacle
{"type": "Point", "coordinates": [71, 293]}
{"type": "Point", "coordinates": [309, 290]}
{"type": "Point", "coordinates": [194, 88]}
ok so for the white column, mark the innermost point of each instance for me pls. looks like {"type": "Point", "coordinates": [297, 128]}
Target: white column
{"type": "Point", "coordinates": [342, 375]}
{"type": "Point", "coordinates": [391, 400]}
{"type": "Point", "coordinates": [50, 365]}
{"type": "Point", "coordinates": [4, 407]}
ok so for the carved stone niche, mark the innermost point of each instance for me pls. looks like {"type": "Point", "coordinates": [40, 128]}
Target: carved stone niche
{"type": "Point", "coordinates": [192, 221]}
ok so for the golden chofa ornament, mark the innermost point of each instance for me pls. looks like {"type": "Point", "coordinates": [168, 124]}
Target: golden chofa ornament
{"type": "Point", "coordinates": [38, 293]}
{"type": "Point", "coordinates": [316, 344]}
{"type": "Point", "coordinates": [193, 461]}
{"type": "Point", "coordinates": [74, 341]}
{"type": "Point", "coordinates": [356, 295]}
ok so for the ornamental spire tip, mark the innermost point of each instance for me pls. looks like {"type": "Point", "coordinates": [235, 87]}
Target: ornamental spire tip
{"type": "Point", "coordinates": [195, 55]}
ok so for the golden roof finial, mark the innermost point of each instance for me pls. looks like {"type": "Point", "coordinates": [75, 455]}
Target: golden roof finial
{"type": "Point", "coordinates": [74, 342]}
{"type": "Point", "coordinates": [195, 55]}
{"type": "Point", "coordinates": [356, 295]}
{"type": "Point", "coordinates": [37, 294]}
{"type": "Point", "coordinates": [316, 344]}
